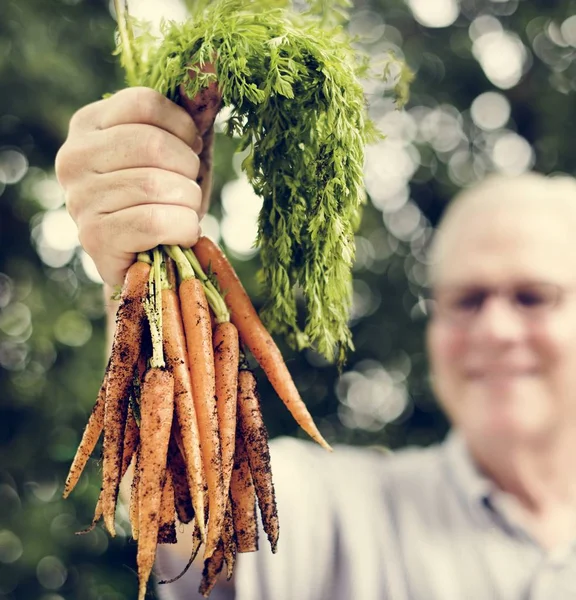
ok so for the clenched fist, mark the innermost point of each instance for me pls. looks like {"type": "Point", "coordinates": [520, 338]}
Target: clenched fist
{"type": "Point", "coordinates": [130, 169]}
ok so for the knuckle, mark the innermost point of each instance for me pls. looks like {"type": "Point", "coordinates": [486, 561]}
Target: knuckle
{"type": "Point", "coordinates": [196, 197]}
{"type": "Point", "coordinates": [74, 204]}
{"type": "Point", "coordinates": [67, 164]}
{"type": "Point", "coordinates": [154, 144]}
{"type": "Point", "coordinates": [147, 103]}
{"type": "Point", "coordinates": [153, 225]}
{"type": "Point", "coordinates": [90, 235]}
{"type": "Point", "coordinates": [151, 186]}
{"type": "Point", "coordinates": [79, 118]}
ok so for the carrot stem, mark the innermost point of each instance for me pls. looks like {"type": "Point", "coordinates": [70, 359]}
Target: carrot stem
{"type": "Point", "coordinates": [153, 308]}
{"type": "Point", "coordinates": [214, 297]}
{"type": "Point", "coordinates": [184, 269]}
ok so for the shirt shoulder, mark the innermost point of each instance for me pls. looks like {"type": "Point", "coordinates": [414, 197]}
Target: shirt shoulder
{"type": "Point", "coordinates": [331, 505]}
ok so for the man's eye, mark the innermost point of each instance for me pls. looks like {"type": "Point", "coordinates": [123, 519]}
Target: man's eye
{"type": "Point", "coordinates": [534, 298]}
{"type": "Point", "coordinates": [530, 299]}
{"type": "Point", "coordinates": [469, 302]}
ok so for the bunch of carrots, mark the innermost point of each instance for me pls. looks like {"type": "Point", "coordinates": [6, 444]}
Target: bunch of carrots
{"type": "Point", "coordinates": [179, 402]}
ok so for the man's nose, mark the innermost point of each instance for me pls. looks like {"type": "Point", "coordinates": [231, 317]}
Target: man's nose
{"type": "Point", "coordinates": [498, 321]}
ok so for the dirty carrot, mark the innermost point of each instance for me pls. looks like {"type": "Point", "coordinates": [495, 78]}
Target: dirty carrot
{"type": "Point", "coordinates": [176, 357]}
{"type": "Point", "coordinates": [182, 499]}
{"type": "Point", "coordinates": [255, 335]}
{"type": "Point", "coordinates": [243, 501]}
{"type": "Point", "coordinates": [131, 440]}
{"type": "Point", "coordinates": [124, 357]}
{"type": "Point", "coordinates": [198, 332]}
{"type": "Point", "coordinates": [89, 439]}
{"type": "Point", "coordinates": [156, 411]}
{"type": "Point", "coordinates": [255, 436]}
{"type": "Point", "coordinates": [135, 496]}
{"type": "Point", "coordinates": [167, 524]}
{"type": "Point", "coordinates": [226, 359]}
{"type": "Point", "coordinates": [212, 568]}
{"type": "Point", "coordinates": [229, 541]}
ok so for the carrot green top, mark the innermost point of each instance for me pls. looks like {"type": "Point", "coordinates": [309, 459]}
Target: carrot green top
{"type": "Point", "coordinates": [291, 80]}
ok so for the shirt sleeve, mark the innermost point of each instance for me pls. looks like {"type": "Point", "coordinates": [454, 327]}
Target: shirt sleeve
{"type": "Point", "coordinates": [304, 562]}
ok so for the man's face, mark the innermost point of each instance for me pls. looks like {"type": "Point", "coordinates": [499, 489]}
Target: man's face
{"type": "Point", "coordinates": [502, 343]}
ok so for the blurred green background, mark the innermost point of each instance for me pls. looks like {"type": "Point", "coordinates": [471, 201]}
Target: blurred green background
{"type": "Point", "coordinates": [493, 92]}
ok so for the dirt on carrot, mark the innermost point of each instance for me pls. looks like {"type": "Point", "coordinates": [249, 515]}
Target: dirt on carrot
{"type": "Point", "coordinates": [156, 412]}
{"type": "Point", "coordinates": [255, 335]}
{"type": "Point", "coordinates": [126, 347]}
{"type": "Point", "coordinates": [89, 440]}
{"type": "Point", "coordinates": [196, 318]}
{"type": "Point", "coordinates": [243, 497]}
{"type": "Point", "coordinates": [255, 436]}
{"type": "Point", "coordinates": [176, 356]}
{"type": "Point", "coordinates": [226, 360]}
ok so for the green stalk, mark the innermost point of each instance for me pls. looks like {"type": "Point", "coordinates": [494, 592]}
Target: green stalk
{"type": "Point", "coordinates": [214, 297]}
{"type": "Point", "coordinates": [185, 271]}
{"type": "Point", "coordinates": [189, 268]}
{"type": "Point", "coordinates": [126, 37]}
{"type": "Point", "coordinates": [153, 308]}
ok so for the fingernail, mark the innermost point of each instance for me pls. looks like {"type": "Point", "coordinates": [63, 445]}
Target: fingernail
{"type": "Point", "coordinates": [198, 145]}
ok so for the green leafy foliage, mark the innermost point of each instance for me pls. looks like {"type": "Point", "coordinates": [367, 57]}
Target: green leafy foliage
{"type": "Point", "coordinates": [291, 81]}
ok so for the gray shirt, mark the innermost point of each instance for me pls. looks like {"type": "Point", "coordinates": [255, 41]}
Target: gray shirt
{"type": "Point", "coordinates": [420, 524]}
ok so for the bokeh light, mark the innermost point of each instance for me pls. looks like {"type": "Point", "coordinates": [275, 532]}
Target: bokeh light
{"type": "Point", "coordinates": [490, 111]}
{"type": "Point", "coordinates": [435, 13]}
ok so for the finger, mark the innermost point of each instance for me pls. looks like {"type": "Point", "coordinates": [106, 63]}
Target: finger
{"type": "Point", "coordinates": [114, 239]}
{"type": "Point", "coordinates": [134, 146]}
{"type": "Point", "coordinates": [112, 192]}
{"type": "Point", "coordinates": [137, 105]}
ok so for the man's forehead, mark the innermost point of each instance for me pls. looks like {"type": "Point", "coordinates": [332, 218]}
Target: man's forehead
{"type": "Point", "coordinates": [508, 223]}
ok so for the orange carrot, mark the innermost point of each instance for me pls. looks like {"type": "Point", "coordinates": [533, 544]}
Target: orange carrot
{"type": "Point", "coordinates": [212, 568]}
{"type": "Point", "coordinates": [135, 497]}
{"type": "Point", "coordinates": [229, 541]}
{"type": "Point", "coordinates": [226, 359]}
{"type": "Point", "coordinates": [89, 439]}
{"type": "Point", "coordinates": [167, 525]}
{"type": "Point", "coordinates": [254, 334]}
{"type": "Point", "coordinates": [243, 501]}
{"type": "Point", "coordinates": [255, 436]}
{"type": "Point", "coordinates": [177, 360]}
{"type": "Point", "coordinates": [182, 499]}
{"type": "Point", "coordinates": [195, 315]}
{"type": "Point", "coordinates": [124, 357]}
{"type": "Point", "coordinates": [131, 440]}
{"type": "Point", "coordinates": [156, 410]}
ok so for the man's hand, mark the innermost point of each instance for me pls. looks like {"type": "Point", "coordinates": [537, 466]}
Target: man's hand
{"type": "Point", "coordinates": [129, 168]}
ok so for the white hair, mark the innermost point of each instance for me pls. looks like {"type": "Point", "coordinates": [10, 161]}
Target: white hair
{"type": "Point", "coordinates": [496, 191]}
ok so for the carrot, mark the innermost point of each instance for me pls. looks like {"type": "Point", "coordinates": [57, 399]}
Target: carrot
{"type": "Point", "coordinates": [135, 497]}
{"type": "Point", "coordinates": [177, 360]}
{"type": "Point", "coordinates": [195, 315]}
{"type": "Point", "coordinates": [156, 410]}
{"type": "Point", "coordinates": [124, 357]}
{"type": "Point", "coordinates": [243, 501]}
{"type": "Point", "coordinates": [229, 541]}
{"type": "Point", "coordinates": [167, 526]}
{"type": "Point", "coordinates": [212, 568]}
{"type": "Point", "coordinates": [196, 543]}
{"type": "Point", "coordinates": [254, 334]}
{"type": "Point", "coordinates": [255, 436]}
{"type": "Point", "coordinates": [131, 440]}
{"type": "Point", "coordinates": [89, 440]}
{"type": "Point", "coordinates": [226, 359]}
{"type": "Point", "coordinates": [182, 499]}
{"type": "Point", "coordinates": [205, 105]}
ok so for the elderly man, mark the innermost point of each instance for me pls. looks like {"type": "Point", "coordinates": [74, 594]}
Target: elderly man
{"type": "Point", "coordinates": [489, 514]}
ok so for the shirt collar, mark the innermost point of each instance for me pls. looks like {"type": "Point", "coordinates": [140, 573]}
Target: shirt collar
{"type": "Point", "coordinates": [475, 487]}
